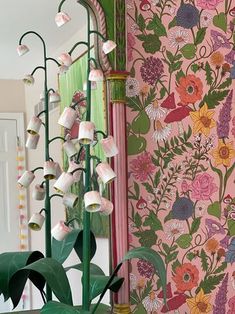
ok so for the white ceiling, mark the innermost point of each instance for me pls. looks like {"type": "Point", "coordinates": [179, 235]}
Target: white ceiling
{"type": "Point", "coordinates": [19, 16]}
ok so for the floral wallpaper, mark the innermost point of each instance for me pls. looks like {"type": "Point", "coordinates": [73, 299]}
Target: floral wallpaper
{"type": "Point", "coordinates": [181, 154]}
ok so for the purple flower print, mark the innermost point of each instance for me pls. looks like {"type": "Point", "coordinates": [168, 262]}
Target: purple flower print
{"type": "Point", "coordinates": [225, 242]}
{"type": "Point", "coordinates": [229, 57]}
{"type": "Point", "coordinates": [221, 297]}
{"type": "Point", "coordinates": [220, 41]}
{"type": "Point", "coordinates": [145, 268]}
{"type": "Point", "coordinates": [151, 70]}
{"type": "Point", "coordinates": [214, 227]}
{"type": "Point", "coordinates": [187, 16]}
{"type": "Point", "coordinates": [225, 117]}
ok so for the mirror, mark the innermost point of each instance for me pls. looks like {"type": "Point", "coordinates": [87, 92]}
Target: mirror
{"type": "Point", "coordinates": [24, 205]}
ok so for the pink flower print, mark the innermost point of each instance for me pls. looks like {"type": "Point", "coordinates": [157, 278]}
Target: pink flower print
{"type": "Point", "coordinates": [142, 167]}
{"type": "Point", "coordinates": [130, 44]}
{"type": "Point", "coordinates": [208, 4]}
{"type": "Point", "coordinates": [203, 187]}
{"type": "Point", "coordinates": [231, 304]}
{"type": "Point", "coordinates": [185, 186]}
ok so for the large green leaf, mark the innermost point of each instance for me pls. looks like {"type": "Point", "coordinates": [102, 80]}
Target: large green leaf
{"type": "Point", "coordinates": [79, 248]}
{"type": "Point", "coordinates": [220, 21]}
{"type": "Point", "coordinates": [214, 209]}
{"type": "Point", "coordinates": [189, 51]}
{"type": "Point", "coordinates": [94, 269]}
{"type": "Point", "coordinates": [62, 249]}
{"type": "Point", "coordinates": [53, 307]}
{"type": "Point", "coordinates": [54, 274]}
{"type": "Point", "coordinates": [98, 283]}
{"type": "Point", "coordinates": [10, 263]}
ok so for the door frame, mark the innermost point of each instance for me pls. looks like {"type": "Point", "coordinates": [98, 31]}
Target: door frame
{"type": "Point", "coordinates": [20, 130]}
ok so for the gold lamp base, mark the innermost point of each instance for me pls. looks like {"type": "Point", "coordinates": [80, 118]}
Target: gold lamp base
{"type": "Point", "coordinates": [121, 309]}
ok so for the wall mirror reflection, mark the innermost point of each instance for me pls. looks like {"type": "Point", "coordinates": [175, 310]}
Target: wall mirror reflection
{"type": "Point", "coordinates": [19, 104]}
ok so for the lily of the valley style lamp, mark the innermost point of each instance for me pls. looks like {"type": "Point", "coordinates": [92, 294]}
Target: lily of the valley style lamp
{"type": "Point", "coordinates": [87, 134]}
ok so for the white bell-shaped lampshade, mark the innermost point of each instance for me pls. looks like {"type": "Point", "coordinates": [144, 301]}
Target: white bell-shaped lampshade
{"type": "Point", "coordinates": [58, 170]}
{"type": "Point", "coordinates": [69, 148]}
{"type": "Point", "coordinates": [49, 170]}
{"type": "Point", "coordinates": [96, 75]}
{"type": "Point", "coordinates": [106, 206]}
{"type": "Point", "coordinates": [22, 50]}
{"type": "Point", "coordinates": [70, 200]}
{"type": "Point", "coordinates": [54, 97]}
{"type": "Point", "coordinates": [68, 117]}
{"type": "Point", "coordinates": [86, 132]}
{"type": "Point", "coordinates": [73, 166]}
{"type": "Point", "coordinates": [109, 146]}
{"type": "Point", "coordinates": [38, 192]}
{"type": "Point", "coordinates": [26, 179]}
{"type": "Point", "coordinates": [105, 172]}
{"type": "Point", "coordinates": [92, 201]}
{"type": "Point", "coordinates": [28, 79]}
{"type": "Point", "coordinates": [62, 18]}
{"type": "Point", "coordinates": [108, 46]}
{"type": "Point", "coordinates": [32, 141]}
{"type": "Point", "coordinates": [60, 231]}
{"type": "Point", "coordinates": [65, 59]}
{"type": "Point", "coordinates": [36, 222]}
{"type": "Point", "coordinates": [34, 125]}
{"type": "Point", "coordinates": [64, 182]}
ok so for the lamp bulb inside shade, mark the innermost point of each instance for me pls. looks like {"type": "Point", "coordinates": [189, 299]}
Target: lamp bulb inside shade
{"type": "Point", "coordinates": [62, 18]}
{"type": "Point", "coordinates": [28, 79]}
{"type": "Point", "coordinates": [108, 46]}
{"type": "Point", "coordinates": [36, 222]}
{"type": "Point", "coordinates": [92, 201]}
{"type": "Point", "coordinates": [26, 179]}
{"type": "Point", "coordinates": [22, 50]}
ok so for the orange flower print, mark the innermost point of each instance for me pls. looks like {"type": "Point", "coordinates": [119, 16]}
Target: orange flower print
{"type": "Point", "coordinates": [189, 89]}
{"type": "Point", "coordinates": [212, 245]}
{"type": "Point", "coordinates": [186, 277]}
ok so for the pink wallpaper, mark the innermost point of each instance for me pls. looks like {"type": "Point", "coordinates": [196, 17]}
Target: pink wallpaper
{"type": "Point", "coordinates": [181, 129]}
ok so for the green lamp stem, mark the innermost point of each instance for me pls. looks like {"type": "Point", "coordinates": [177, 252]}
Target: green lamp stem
{"type": "Point", "coordinates": [78, 44]}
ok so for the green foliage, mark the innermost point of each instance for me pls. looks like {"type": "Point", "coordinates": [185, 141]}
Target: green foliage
{"type": "Point", "coordinates": [188, 51]}
{"type": "Point", "coordinates": [195, 225]}
{"type": "Point", "coordinates": [210, 283]}
{"type": "Point", "coordinates": [151, 42]}
{"type": "Point", "coordinates": [204, 262]}
{"type": "Point", "coordinates": [220, 21]}
{"type": "Point", "coordinates": [10, 263]}
{"type": "Point", "coordinates": [94, 269]}
{"type": "Point", "coordinates": [214, 209]}
{"type": "Point", "coordinates": [156, 25]}
{"type": "Point", "coordinates": [176, 146]}
{"type": "Point", "coordinates": [98, 283]}
{"type": "Point", "coordinates": [53, 273]}
{"type": "Point", "coordinates": [173, 23]}
{"type": "Point", "coordinates": [153, 222]}
{"type": "Point", "coordinates": [147, 238]}
{"type": "Point", "coordinates": [141, 22]}
{"type": "Point", "coordinates": [209, 78]}
{"type": "Point", "coordinates": [225, 84]}
{"type": "Point", "coordinates": [141, 123]}
{"type": "Point", "coordinates": [213, 98]}
{"type": "Point", "coordinates": [200, 36]}
{"type": "Point", "coordinates": [231, 227]}
{"type": "Point", "coordinates": [178, 75]}
{"type": "Point", "coordinates": [184, 241]}
{"type": "Point", "coordinates": [221, 268]}
{"type": "Point", "coordinates": [136, 144]}
{"type": "Point", "coordinates": [62, 249]}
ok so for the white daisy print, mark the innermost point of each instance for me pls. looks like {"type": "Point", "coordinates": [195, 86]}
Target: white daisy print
{"type": "Point", "coordinates": [205, 19]}
{"type": "Point", "coordinates": [151, 302]}
{"type": "Point", "coordinates": [154, 111]}
{"type": "Point", "coordinates": [132, 87]}
{"type": "Point", "coordinates": [178, 37]}
{"type": "Point", "coordinates": [174, 230]}
{"type": "Point", "coordinates": [161, 133]}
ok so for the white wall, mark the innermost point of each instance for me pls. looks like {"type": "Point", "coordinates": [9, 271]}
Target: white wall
{"type": "Point", "coordinates": [12, 96]}
{"type": "Point", "coordinates": [36, 158]}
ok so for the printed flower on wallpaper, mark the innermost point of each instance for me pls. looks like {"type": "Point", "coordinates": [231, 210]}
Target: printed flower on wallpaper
{"type": "Point", "coordinates": [181, 130]}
